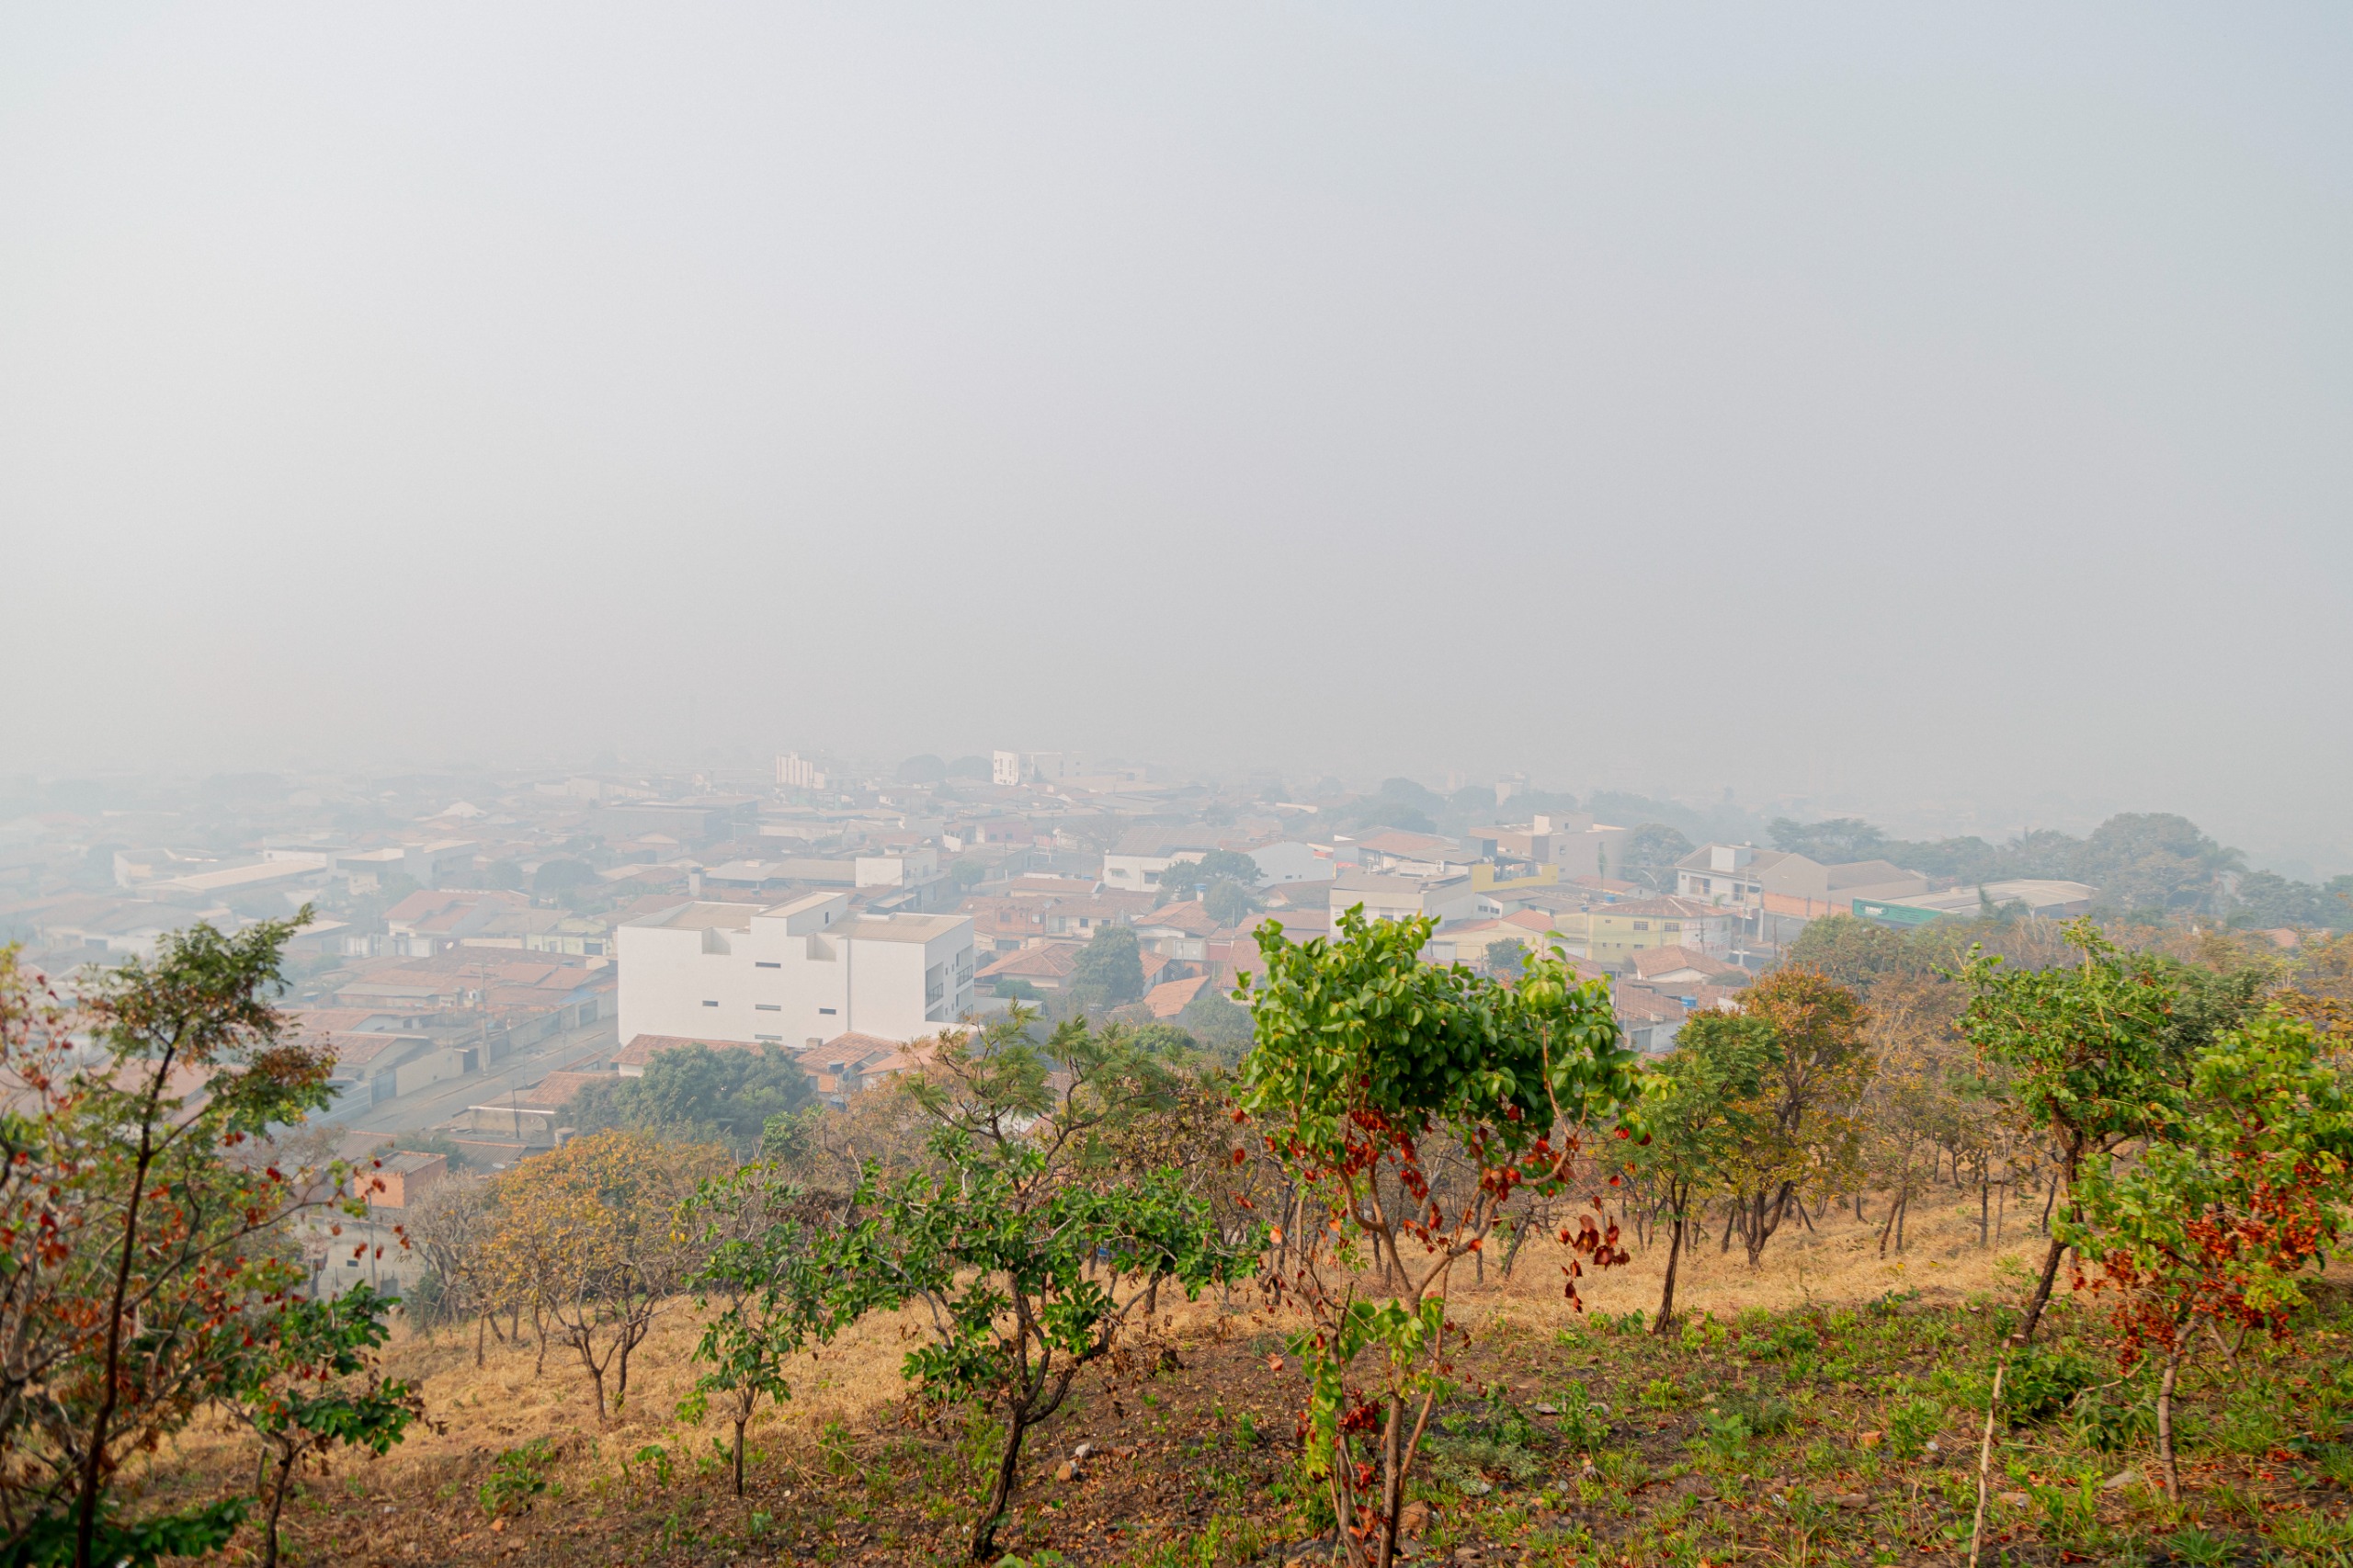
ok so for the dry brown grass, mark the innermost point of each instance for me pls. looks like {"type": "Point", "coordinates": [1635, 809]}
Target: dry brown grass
{"type": "Point", "coordinates": [419, 1504]}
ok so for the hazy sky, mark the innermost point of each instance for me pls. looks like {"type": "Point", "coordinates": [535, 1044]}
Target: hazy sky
{"type": "Point", "coordinates": [1924, 409]}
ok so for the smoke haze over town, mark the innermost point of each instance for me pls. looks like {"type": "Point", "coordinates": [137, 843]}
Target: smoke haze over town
{"type": "Point", "coordinates": [1935, 419]}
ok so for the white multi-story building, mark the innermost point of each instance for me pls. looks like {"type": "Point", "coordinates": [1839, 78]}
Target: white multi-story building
{"type": "Point", "coordinates": [799, 973]}
{"type": "Point", "coordinates": [1014, 769]}
{"type": "Point", "coordinates": [794, 771]}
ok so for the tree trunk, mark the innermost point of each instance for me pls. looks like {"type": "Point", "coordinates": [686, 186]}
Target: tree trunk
{"type": "Point", "coordinates": [481, 1322]}
{"type": "Point", "coordinates": [1666, 1289]}
{"type": "Point", "coordinates": [277, 1506]}
{"type": "Point", "coordinates": [2042, 1289]}
{"type": "Point", "coordinates": [1001, 1492]}
{"type": "Point", "coordinates": [1392, 1481]}
{"type": "Point", "coordinates": [85, 1523]}
{"type": "Point", "coordinates": [2165, 1422]}
{"type": "Point", "coordinates": [540, 1333]}
{"type": "Point", "coordinates": [1984, 1207]}
{"type": "Point", "coordinates": [739, 1456]}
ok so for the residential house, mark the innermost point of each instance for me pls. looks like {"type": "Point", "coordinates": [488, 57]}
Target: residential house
{"type": "Point", "coordinates": [1170, 999]}
{"type": "Point", "coordinates": [1679, 968]}
{"type": "Point", "coordinates": [1403, 897]}
{"type": "Point", "coordinates": [1047, 965]}
{"type": "Point", "coordinates": [1141, 856]}
{"type": "Point", "coordinates": [1392, 851]}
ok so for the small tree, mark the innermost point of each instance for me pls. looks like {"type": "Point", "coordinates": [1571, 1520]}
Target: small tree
{"type": "Point", "coordinates": [2217, 1221]}
{"type": "Point", "coordinates": [1030, 1256]}
{"type": "Point", "coordinates": [141, 1222]}
{"type": "Point", "coordinates": [592, 1233]}
{"type": "Point", "coordinates": [1802, 1132]}
{"type": "Point", "coordinates": [309, 1385]}
{"type": "Point", "coordinates": [762, 1259]}
{"type": "Point", "coordinates": [2095, 1061]}
{"type": "Point", "coordinates": [1228, 903]}
{"type": "Point", "coordinates": [450, 1227]}
{"type": "Point", "coordinates": [1109, 970]}
{"type": "Point", "coordinates": [1699, 1111]}
{"type": "Point", "coordinates": [1364, 1053]}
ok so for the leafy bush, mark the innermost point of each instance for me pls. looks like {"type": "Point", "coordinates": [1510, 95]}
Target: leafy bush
{"type": "Point", "coordinates": [2043, 1380]}
{"type": "Point", "coordinates": [1766, 1414]}
{"type": "Point", "coordinates": [517, 1476]}
{"type": "Point", "coordinates": [1912, 1424]}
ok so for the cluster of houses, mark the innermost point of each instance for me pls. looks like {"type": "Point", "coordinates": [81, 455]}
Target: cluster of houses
{"type": "Point", "coordinates": [476, 959]}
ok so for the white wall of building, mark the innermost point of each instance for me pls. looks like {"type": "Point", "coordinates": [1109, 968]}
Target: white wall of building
{"type": "Point", "coordinates": [803, 970]}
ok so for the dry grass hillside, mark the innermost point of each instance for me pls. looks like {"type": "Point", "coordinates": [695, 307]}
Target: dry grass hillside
{"type": "Point", "coordinates": [1195, 1453]}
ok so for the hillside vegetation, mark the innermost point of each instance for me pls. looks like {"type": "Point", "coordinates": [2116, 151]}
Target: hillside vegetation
{"type": "Point", "coordinates": [1918, 1253]}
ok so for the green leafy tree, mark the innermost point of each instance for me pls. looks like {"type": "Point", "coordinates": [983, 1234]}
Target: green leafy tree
{"type": "Point", "coordinates": [698, 1091]}
{"type": "Point", "coordinates": [142, 1226]}
{"type": "Point", "coordinates": [762, 1261]}
{"type": "Point", "coordinates": [1855, 954]}
{"type": "Point", "coordinates": [1366, 1055]}
{"type": "Point", "coordinates": [1229, 902]}
{"type": "Point", "coordinates": [1110, 970]}
{"type": "Point", "coordinates": [1806, 1128]}
{"type": "Point", "coordinates": [2097, 1053]}
{"type": "Point", "coordinates": [1649, 856]}
{"type": "Point", "coordinates": [1701, 1109]}
{"type": "Point", "coordinates": [2218, 1218]}
{"type": "Point", "coordinates": [969, 873]}
{"type": "Point", "coordinates": [562, 876]}
{"type": "Point", "coordinates": [1834, 842]}
{"type": "Point", "coordinates": [1508, 958]}
{"type": "Point", "coordinates": [2155, 860]}
{"type": "Point", "coordinates": [1032, 1255]}
{"type": "Point", "coordinates": [309, 1384]}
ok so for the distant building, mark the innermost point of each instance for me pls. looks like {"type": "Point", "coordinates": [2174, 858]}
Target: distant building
{"type": "Point", "coordinates": [1404, 897]}
{"type": "Point", "coordinates": [805, 971]}
{"type": "Point", "coordinates": [1144, 855]}
{"type": "Point", "coordinates": [2043, 899]}
{"type": "Point", "coordinates": [1011, 770]}
{"type": "Point", "coordinates": [794, 771]}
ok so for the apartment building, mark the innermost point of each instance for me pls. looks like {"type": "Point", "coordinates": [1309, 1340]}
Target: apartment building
{"type": "Point", "coordinates": [798, 973]}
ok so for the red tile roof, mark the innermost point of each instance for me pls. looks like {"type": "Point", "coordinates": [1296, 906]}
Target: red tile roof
{"type": "Point", "coordinates": [1167, 1001]}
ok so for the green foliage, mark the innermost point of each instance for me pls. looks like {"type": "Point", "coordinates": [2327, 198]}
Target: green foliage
{"type": "Point", "coordinates": [1856, 953]}
{"type": "Point", "coordinates": [762, 1260]}
{"type": "Point", "coordinates": [1184, 877]}
{"type": "Point", "coordinates": [2219, 1218]}
{"type": "Point", "coordinates": [1030, 1257]}
{"type": "Point", "coordinates": [517, 1476]}
{"type": "Point", "coordinates": [1110, 971]}
{"type": "Point", "coordinates": [695, 1091]}
{"type": "Point", "coordinates": [1014, 988]}
{"type": "Point", "coordinates": [1229, 902]}
{"type": "Point", "coordinates": [2043, 1382]}
{"type": "Point", "coordinates": [1363, 1053]}
{"type": "Point", "coordinates": [307, 1385]}
{"type": "Point", "coordinates": [561, 876]}
{"type": "Point", "coordinates": [1220, 1028]}
{"type": "Point", "coordinates": [1649, 855]}
{"type": "Point", "coordinates": [1838, 841]}
{"type": "Point", "coordinates": [1911, 1425]}
{"type": "Point", "coordinates": [140, 1240]}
